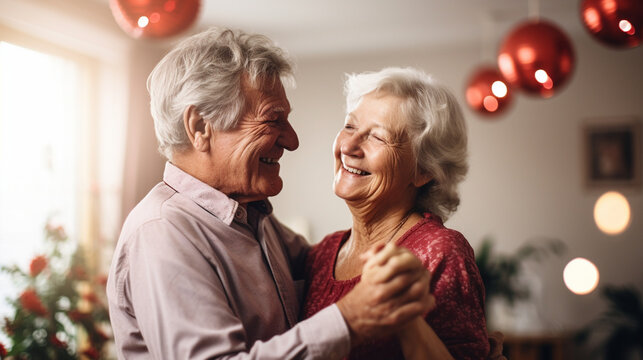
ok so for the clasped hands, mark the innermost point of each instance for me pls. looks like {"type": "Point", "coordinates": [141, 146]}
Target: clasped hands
{"type": "Point", "coordinates": [393, 290]}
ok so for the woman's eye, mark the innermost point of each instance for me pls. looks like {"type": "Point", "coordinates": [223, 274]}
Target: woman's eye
{"type": "Point", "coordinates": [378, 138]}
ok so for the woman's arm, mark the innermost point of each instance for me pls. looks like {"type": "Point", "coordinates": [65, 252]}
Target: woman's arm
{"type": "Point", "coordinates": [417, 338]}
{"type": "Point", "coordinates": [419, 342]}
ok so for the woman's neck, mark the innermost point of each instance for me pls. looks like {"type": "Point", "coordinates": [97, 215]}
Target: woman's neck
{"type": "Point", "coordinates": [375, 222]}
{"type": "Point", "coordinates": [370, 229]}
{"type": "Point", "coordinates": [375, 228]}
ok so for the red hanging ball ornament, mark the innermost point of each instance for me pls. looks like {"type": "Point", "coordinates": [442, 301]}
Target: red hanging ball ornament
{"type": "Point", "coordinates": [537, 57]}
{"type": "Point", "coordinates": [618, 23]}
{"type": "Point", "coordinates": [487, 91]}
{"type": "Point", "coordinates": [154, 18]}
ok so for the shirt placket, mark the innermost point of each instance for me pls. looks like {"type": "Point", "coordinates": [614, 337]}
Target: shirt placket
{"type": "Point", "coordinates": [282, 280]}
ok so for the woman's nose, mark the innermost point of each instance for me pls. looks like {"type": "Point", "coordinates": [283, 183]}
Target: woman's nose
{"type": "Point", "coordinates": [351, 145]}
{"type": "Point", "coordinates": [288, 138]}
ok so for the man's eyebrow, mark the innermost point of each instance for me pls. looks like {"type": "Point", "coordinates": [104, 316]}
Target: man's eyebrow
{"type": "Point", "coordinates": [281, 108]}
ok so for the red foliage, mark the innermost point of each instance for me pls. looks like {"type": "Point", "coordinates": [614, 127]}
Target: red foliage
{"type": "Point", "coordinates": [78, 272]}
{"type": "Point", "coordinates": [91, 297]}
{"type": "Point", "coordinates": [91, 353]}
{"type": "Point", "coordinates": [56, 232]}
{"type": "Point", "coordinates": [8, 326]}
{"type": "Point", "coordinates": [101, 280]}
{"type": "Point", "coordinates": [57, 342]}
{"type": "Point", "coordinates": [76, 316]}
{"type": "Point", "coordinates": [3, 351]}
{"type": "Point", "coordinates": [100, 334]}
{"type": "Point", "coordinates": [31, 302]}
{"type": "Point", "coordinates": [37, 265]}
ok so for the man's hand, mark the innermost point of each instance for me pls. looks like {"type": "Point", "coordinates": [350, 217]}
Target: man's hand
{"type": "Point", "coordinates": [394, 289]}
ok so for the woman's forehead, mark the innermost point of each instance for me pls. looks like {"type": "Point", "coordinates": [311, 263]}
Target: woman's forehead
{"type": "Point", "coordinates": [382, 111]}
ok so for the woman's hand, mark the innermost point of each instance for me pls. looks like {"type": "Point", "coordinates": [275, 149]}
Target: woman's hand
{"type": "Point", "coordinates": [381, 263]}
{"type": "Point", "coordinates": [394, 289]}
{"type": "Point", "coordinates": [417, 338]}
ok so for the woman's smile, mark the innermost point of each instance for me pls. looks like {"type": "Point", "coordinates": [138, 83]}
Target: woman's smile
{"type": "Point", "coordinates": [354, 170]}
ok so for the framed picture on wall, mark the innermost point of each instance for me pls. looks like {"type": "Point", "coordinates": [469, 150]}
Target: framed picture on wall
{"type": "Point", "coordinates": [612, 152]}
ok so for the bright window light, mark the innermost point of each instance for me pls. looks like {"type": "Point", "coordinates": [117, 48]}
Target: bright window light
{"type": "Point", "coordinates": [39, 135]}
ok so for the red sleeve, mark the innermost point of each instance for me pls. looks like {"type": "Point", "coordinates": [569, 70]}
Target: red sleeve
{"type": "Point", "coordinates": [458, 318]}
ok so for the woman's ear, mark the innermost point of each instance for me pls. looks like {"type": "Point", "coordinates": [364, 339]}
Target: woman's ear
{"type": "Point", "coordinates": [421, 178]}
{"type": "Point", "coordinates": [197, 129]}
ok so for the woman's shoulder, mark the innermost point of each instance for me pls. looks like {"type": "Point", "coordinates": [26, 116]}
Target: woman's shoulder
{"type": "Point", "coordinates": [327, 246]}
{"type": "Point", "coordinates": [431, 237]}
{"type": "Point", "coordinates": [331, 239]}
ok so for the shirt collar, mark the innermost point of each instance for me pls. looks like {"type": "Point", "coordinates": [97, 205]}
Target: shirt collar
{"type": "Point", "coordinates": [207, 197]}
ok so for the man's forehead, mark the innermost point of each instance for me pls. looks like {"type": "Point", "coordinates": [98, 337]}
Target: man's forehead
{"type": "Point", "coordinates": [263, 83]}
{"type": "Point", "coordinates": [265, 87]}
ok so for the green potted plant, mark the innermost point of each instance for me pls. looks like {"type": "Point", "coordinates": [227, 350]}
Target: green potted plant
{"type": "Point", "coordinates": [501, 273]}
{"type": "Point", "coordinates": [619, 329]}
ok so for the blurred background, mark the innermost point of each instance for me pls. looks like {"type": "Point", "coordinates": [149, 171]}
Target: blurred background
{"type": "Point", "coordinates": [78, 150]}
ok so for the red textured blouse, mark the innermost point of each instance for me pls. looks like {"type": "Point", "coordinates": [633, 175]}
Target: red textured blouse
{"type": "Point", "coordinates": [458, 318]}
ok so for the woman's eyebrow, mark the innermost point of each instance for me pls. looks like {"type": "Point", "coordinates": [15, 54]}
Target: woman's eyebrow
{"type": "Point", "coordinates": [376, 124]}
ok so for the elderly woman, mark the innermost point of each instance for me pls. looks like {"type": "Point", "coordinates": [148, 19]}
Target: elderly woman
{"type": "Point", "coordinates": [398, 160]}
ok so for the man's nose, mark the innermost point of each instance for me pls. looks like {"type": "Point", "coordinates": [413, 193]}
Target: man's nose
{"type": "Point", "coordinates": [288, 138]}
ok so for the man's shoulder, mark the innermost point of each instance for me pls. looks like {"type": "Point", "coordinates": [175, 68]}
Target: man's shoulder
{"type": "Point", "coordinates": [162, 215]}
{"type": "Point", "coordinates": [150, 208]}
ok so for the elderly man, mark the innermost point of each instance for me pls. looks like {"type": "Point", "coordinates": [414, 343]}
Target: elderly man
{"type": "Point", "coordinates": [202, 268]}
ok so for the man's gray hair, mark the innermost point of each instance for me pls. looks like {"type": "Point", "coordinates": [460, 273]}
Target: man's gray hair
{"type": "Point", "coordinates": [434, 124]}
{"type": "Point", "coordinates": [206, 70]}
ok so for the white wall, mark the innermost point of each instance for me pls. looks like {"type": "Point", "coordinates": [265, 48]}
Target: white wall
{"type": "Point", "coordinates": [525, 168]}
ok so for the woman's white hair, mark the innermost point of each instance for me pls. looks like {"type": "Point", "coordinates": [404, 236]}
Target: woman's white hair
{"type": "Point", "coordinates": [434, 124]}
{"type": "Point", "coordinates": [206, 70]}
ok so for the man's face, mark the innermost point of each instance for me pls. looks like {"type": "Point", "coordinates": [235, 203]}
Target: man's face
{"type": "Point", "coordinates": [247, 156]}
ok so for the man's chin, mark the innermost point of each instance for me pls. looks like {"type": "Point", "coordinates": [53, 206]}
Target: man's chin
{"type": "Point", "coordinates": [271, 188]}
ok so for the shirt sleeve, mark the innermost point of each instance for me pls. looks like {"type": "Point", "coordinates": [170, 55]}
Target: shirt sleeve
{"type": "Point", "coordinates": [183, 312]}
{"type": "Point", "coordinates": [458, 318]}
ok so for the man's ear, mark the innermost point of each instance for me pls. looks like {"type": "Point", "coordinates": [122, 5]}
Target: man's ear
{"type": "Point", "coordinates": [197, 129]}
{"type": "Point", "coordinates": [421, 178]}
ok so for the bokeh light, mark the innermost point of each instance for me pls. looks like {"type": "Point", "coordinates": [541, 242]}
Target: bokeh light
{"type": "Point", "coordinates": [143, 21]}
{"type": "Point", "coordinates": [487, 92]}
{"type": "Point", "coordinates": [612, 213]}
{"type": "Point", "coordinates": [581, 276]}
{"type": "Point", "coordinates": [499, 89]}
{"type": "Point", "coordinates": [616, 23]}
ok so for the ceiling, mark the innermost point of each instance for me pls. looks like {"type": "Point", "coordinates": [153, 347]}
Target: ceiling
{"type": "Point", "coordinates": [307, 27]}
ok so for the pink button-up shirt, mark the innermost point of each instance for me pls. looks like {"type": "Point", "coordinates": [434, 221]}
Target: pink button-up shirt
{"type": "Point", "coordinates": [196, 276]}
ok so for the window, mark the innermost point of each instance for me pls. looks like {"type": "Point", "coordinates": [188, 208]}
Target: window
{"type": "Point", "coordinates": [42, 154]}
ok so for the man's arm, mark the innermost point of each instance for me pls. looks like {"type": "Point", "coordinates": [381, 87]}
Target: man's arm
{"type": "Point", "coordinates": [183, 311]}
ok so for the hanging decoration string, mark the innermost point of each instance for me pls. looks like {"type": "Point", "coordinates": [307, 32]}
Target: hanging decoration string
{"type": "Point", "coordinates": [533, 9]}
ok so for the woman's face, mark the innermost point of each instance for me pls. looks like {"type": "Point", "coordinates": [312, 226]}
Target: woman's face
{"type": "Point", "coordinates": [374, 161]}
